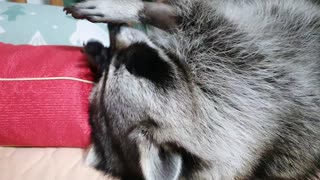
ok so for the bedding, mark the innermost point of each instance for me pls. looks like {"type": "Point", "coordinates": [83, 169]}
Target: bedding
{"type": "Point", "coordinates": [46, 164]}
{"type": "Point", "coordinates": [46, 25]}
{"type": "Point", "coordinates": [41, 106]}
{"type": "Point", "coordinates": [44, 96]}
{"type": "Point", "coordinates": [26, 104]}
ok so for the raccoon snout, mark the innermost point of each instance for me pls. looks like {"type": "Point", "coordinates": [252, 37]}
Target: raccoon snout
{"type": "Point", "coordinates": [99, 57]}
{"type": "Point", "coordinates": [93, 48]}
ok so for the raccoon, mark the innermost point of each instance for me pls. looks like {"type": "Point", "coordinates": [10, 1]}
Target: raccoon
{"type": "Point", "coordinates": [217, 89]}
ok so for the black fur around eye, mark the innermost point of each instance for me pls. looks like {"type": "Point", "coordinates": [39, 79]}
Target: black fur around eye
{"type": "Point", "coordinates": [144, 61]}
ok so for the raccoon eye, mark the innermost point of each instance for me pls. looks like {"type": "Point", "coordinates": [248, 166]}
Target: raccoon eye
{"type": "Point", "coordinates": [145, 61]}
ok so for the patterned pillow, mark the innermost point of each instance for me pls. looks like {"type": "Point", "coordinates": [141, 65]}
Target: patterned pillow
{"type": "Point", "coordinates": [46, 25]}
{"type": "Point", "coordinates": [44, 96]}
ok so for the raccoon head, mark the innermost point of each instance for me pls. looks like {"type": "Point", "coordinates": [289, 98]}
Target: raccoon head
{"type": "Point", "coordinates": [146, 96]}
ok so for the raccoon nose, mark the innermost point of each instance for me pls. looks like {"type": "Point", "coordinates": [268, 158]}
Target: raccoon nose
{"type": "Point", "coordinates": [93, 48]}
{"type": "Point", "coordinates": [99, 57]}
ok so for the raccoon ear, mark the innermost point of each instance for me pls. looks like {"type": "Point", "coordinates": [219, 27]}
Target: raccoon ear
{"type": "Point", "coordinates": [159, 163]}
{"type": "Point", "coordinates": [156, 161]}
{"type": "Point", "coordinates": [145, 61]}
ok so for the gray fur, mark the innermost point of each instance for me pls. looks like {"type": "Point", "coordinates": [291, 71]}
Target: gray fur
{"type": "Point", "coordinates": [243, 103]}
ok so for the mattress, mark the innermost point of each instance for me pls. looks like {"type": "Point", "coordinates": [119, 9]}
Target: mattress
{"type": "Point", "coordinates": [46, 164]}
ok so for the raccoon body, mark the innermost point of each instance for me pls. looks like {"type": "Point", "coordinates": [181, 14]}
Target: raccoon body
{"type": "Point", "coordinates": [230, 91]}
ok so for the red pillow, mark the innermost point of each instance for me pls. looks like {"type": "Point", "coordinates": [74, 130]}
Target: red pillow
{"type": "Point", "coordinates": [44, 92]}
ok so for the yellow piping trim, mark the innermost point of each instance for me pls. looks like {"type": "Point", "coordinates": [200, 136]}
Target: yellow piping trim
{"type": "Point", "coordinates": [47, 78]}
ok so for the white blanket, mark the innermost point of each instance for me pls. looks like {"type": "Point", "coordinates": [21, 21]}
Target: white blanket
{"type": "Point", "coordinates": [45, 164]}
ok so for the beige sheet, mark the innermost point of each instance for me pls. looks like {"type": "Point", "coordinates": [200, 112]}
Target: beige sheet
{"type": "Point", "coordinates": [45, 164]}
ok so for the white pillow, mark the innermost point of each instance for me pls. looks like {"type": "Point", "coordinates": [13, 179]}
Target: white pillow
{"type": "Point", "coordinates": [46, 25]}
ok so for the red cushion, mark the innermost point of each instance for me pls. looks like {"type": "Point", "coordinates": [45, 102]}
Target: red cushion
{"type": "Point", "coordinates": [44, 93]}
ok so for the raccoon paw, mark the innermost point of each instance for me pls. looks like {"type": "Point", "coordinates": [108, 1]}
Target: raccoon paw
{"type": "Point", "coordinates": [106, 10]}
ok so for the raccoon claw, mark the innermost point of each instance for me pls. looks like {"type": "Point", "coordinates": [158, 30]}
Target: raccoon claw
{"type": "Point", "coordinates": [74, 11]}
{"type": "Point", "coordinates": [70, 10]}
{"type": "Point", "coordinates": [67, 10]}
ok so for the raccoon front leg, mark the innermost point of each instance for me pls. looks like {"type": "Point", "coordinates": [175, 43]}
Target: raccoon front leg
{"type": "Point", "coordinates": [124, 11]}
